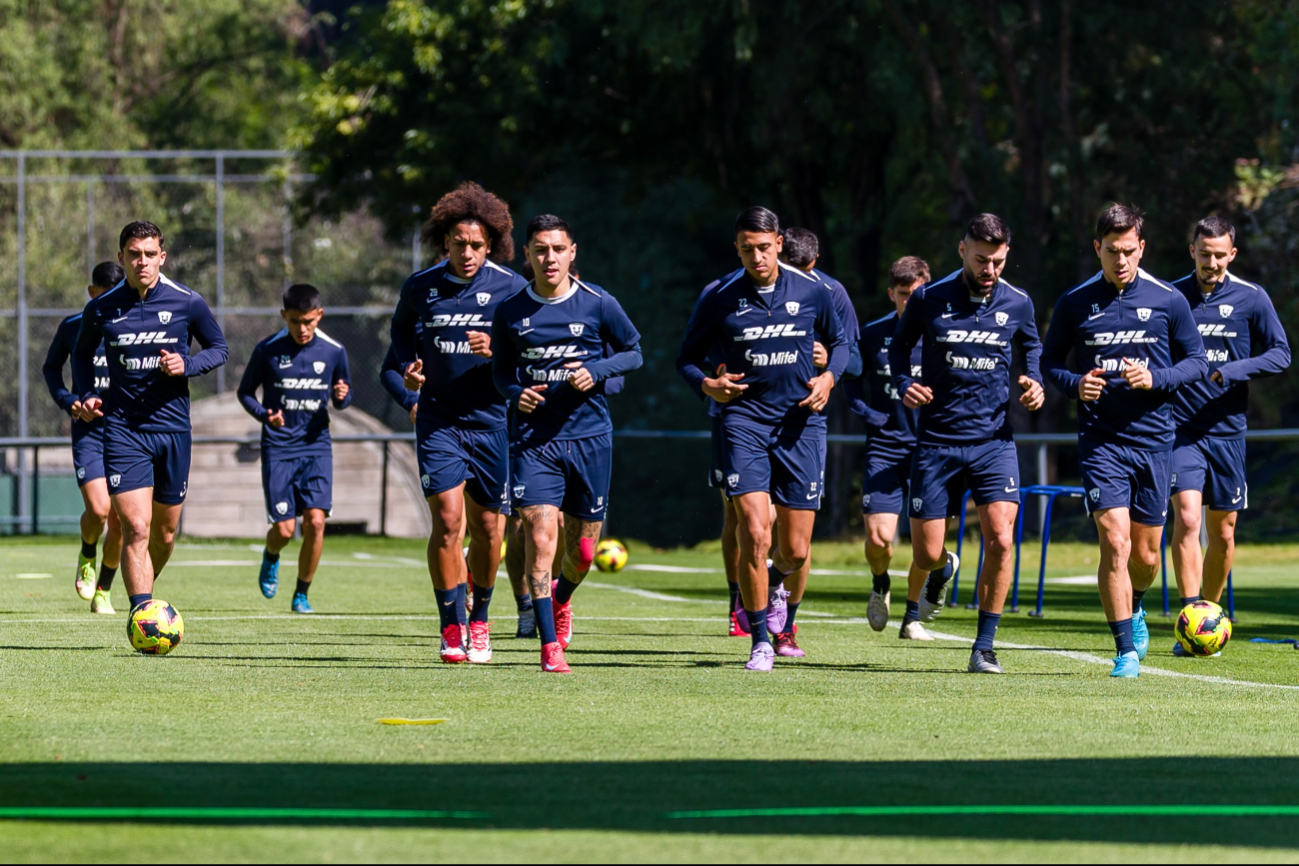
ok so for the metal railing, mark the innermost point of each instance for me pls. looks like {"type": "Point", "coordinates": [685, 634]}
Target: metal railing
{"type": "Point", "coordinates": [32, 446]}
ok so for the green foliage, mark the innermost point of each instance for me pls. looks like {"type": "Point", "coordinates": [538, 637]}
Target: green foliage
{"type": "Point", "coordinates": [155, 73]}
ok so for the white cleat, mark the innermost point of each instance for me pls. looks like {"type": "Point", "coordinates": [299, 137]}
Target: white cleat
{"type": "Point", "coordinates": [877, 610]}
{"type": "Point", "coordinates": [934, 597]}
{"type": "Point", "coordinates": [914, 631]}
{"type": "Point", "coordinates": [480, 643]}
{"type": "Point", "coordinates": [102, 602]}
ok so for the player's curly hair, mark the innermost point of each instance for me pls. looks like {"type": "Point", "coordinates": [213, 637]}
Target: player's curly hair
{"type": "Point", "coordinates": [469, 202]}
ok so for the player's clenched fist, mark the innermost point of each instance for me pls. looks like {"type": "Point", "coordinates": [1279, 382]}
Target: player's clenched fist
{"type": "Point", "coordinates": [1091, 386]}
{"type": "Point", "coordinates": [172, 364]}
{"type": "Point", "coordinates": [531, 398]}
{"type": "Point", "coordinates": [726, 387]}
{"type": "Point", "coordinates": [414, 376]}
{"type": "Point", "coordinates": [91, 410]}
{"type": "Point", "coordinates": [341, 390]}
{"type": "Point", "coordinates": [1034, 396]}
{"type": "Point", "coordinates": [480, 344]}
{"type": "Point", "coordinates": [1138, 376]}
{"type": "Point", "coordinates": [580, 378]}
{"type": "Point", "coordinates": [275, 419]}
{"type": "Point", "coordinates": [917, 395]}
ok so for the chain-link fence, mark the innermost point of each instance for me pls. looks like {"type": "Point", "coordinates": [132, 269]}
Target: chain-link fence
{"type": "Point", "coordinates": [231, 236]}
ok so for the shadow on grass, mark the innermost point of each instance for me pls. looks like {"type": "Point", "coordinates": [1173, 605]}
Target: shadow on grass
{"type": "Point", "coordinates": [637, 796]}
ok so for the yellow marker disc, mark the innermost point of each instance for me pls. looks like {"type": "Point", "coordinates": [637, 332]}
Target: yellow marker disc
{"type": "Point", "coordinates": [411, 721]}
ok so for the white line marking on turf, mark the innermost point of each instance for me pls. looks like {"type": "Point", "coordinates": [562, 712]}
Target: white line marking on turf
{"type": "Point", "coordinates": [681, 569]}
{"type": "Point", "coordinates": [656, 596]}
{"type": "Point", "coordinates": [1088, 658]}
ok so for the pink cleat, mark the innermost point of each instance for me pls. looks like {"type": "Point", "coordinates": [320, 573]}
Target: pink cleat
{"type": "Point", "coordinates": [552, 659]}
{"type": "Point", "coordinates": [739, 624]}
{"type": "Point", "coordinates": [453, 645]}
{"type": "Point", "coordinates": [564, 623]}
{"type": "Point", "coordinates": [787, 647]}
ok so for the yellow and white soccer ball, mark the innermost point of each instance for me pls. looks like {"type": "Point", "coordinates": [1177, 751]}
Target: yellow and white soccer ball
{"type": "Point", "coordinates": [1203, 628]}
{"type": "Point", "coordinates": [155, 628]}
{"type": "Point", "coordinates": [610, 556]}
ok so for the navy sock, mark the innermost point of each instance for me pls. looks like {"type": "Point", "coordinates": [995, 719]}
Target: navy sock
{"type": "Point", "coordinates": [88, 550]}
{"type": "Point", "coordinates": [1191, 599]}
{"type": "Point", "coordinates": [913, 612]}
{"type": "Point", "coordinates": [792, 607]}
{"type": "Point", "coordinates": [137, 600]}
{"type": "Point", "coordinates": [302, 587]}
{"type": "Point", "coordinates": [758, 626]}
{"type": "Point", "coordinates": [882, 583]}
{"type": "Point", "coordinates": [564, 589]}
{"type": "Point", "coordinates": [446, 601]}
{"type": "Point", "coordinates": [988, 623]}
{"type": "Point", "coordinates": [523, 602]}
{"type": "Point", "coordinates": [462, 613]}
{"type": "Point", "coordinates": [774, 576]}
{"type": "Point", "coordinates": [107, 574]}
{"type": "Point", "coordinates": [272, 558]}
{"type": "Point", "coordinates": [1136, 599]}
{"type": "Point", "coordinates": [1122, 631]}
{"type": "Point", "coordinates": [482, 599]}
{"type": "Point", "coordinates": [734, 590]}
{"type": "Point", "coordinates": [545, 608]}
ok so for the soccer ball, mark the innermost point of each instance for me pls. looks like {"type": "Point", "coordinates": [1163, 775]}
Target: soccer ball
{"type": "Point", "coordinates": [1203, 628]}
{"type": "Point", "coordinates": [610, 556]}
{"type": "Point", "coordinates": [155, 628]}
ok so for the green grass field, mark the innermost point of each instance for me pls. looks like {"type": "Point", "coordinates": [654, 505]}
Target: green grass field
{"type": "Point", "coordinates": [262, 722]}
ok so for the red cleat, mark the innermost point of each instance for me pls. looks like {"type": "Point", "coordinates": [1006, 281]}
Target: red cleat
{"type": "Point", "coordinates": [453, 645]}
{"type": "Point", "coordinates": [552, 659]}
{"type": "Point", "coordinates": [564, 623]}
{"type": "Point", "coordinates": [737, 628]}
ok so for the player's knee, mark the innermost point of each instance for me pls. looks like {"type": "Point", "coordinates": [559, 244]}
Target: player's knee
{"type": "Point", "coordinates": [99, 511]}
{"type": "Point", "coordinates": [877, 546]}
{"type": "Point", "coordinates": [1189, 518]}
{"type": "Point", "coordinates": [284, 529]}
{"type": "Point", "coordinates": [164, 536]}
{"type": "Point", "coordinates": [313, 523]}
{"type": "Point", "coordinates": [756, 538]}
{"type": "Point", "coordinates": [135, 529]}
{"type": "Point", "coordinates": [1117, 544]}
{"type": "Point", "coordinates": [999, 542]}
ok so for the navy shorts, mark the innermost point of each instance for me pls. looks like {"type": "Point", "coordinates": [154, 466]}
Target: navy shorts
{"type": "Point", "coordinates": [88, 452]}
{"type": "Point", "coordinates": [293, 485]}
{"type": "Point", "coordinates": [135, 461]}
{"type": "Point", "coordinates": [886, 483]}
{"type": "Point", "coordinates": [451, 456]}
{"type": "Point", "coordinates": [1216, 467]}
{"type": "Point", "coordinates": [1117, 476]}
{"type": "Point", "coordinates": [784, 463]}
{"type": "Point", "coordinates": [571, 474]}
{"type": "Point", "coordinates": [941, 474]}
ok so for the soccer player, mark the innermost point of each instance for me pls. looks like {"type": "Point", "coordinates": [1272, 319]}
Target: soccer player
{"type": "Point", "coordinates": [461, 433]}
{"type": "Point", "coordinates": [890, 448]}
{"type": "Point", "coordinates": [299, 370]}
{"type": "Point", "coordinates": [971, 322]}
{"type": "Point", "coordinates": [88, 454]}
{"type": "Point", "coordinates": [1135, 344]}
{"type": "Point", "coordinates": [557, 343]}
{"type": "Point", "coordinates": [1243, 341]}
{"type": "Point", "coordinates": [764, 322]}
{"type": "Point", "coordinates": [146, 324]}
{"type": "Point", "coordinates": [802, 250]}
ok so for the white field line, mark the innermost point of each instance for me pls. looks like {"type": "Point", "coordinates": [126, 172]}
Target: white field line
{"type": "Point", "coordinates": [1088, 658]}
{"type": "Point", "coordinates": [681, 569]}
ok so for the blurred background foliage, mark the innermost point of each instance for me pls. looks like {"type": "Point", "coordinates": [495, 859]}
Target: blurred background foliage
{"type": "Point", "coordinates": [882, 125]}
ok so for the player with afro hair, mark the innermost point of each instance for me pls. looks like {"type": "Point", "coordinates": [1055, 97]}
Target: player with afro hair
{"type": "Point", "coordinates": [441, 340]}
{"type": "Point", "coordinates": [470, 203]}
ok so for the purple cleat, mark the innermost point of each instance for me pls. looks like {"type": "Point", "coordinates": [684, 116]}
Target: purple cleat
{"type": "Point", "coordinates": [763, 658]}
{"type": "Point", "coordinates": [777, 612]}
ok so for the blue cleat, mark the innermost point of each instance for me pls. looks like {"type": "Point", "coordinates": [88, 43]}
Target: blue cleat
{"type": "Point", "coordinates": [1140, 633]}
{"type": "Point", "coordinates": [269, 578]}
{"type": "Point", "coordinates": [1127, 666]}
{"type": "Point", "coordinates": [300, 603]}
